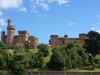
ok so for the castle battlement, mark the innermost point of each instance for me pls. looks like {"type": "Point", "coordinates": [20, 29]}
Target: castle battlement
{"type": "Point", "coordinates": [55, 40]}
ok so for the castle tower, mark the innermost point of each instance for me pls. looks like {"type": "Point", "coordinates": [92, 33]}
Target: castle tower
{"type": "Point", "coordinates": [53, 41]}
{"type": "Point", "coordinates": [10, 33]}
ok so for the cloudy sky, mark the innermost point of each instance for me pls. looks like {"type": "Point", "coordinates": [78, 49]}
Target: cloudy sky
{"type": "Point", "coordinates": [42, 18]}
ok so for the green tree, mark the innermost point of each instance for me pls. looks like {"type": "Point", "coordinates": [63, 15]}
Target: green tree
{"type": "Point", "coordinates": [56, 61]}
{"type": "Point", "coordinates": [2, 62]}
{"type": "Point", "coordinates": [43, 49]}
{"type": "Point", "coordinates": [92, 43]}
{"type": "Point", "coordinates": [97, 61]}
{"type": "Point", "coordinates": [19, 64]}
{"type": "Point", "coordinates": [3, 53]}
{"type": "Point", "coordinates": [76, 55]}
{"type": "Point", "coordinates": [3, 48]}
{"type": "Point", "coordinates": [19, 48]}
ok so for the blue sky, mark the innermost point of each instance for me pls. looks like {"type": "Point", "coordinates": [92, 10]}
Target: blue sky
{"type": "Point", "coordinates": [42, 18]}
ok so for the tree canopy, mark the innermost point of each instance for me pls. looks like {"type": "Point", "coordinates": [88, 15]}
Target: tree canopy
{"type": "Point", "coordinates": [92, 43]}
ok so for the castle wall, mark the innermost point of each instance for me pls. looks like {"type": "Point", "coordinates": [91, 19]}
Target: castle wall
{"type": "Point", "coordinates": [56, 41]}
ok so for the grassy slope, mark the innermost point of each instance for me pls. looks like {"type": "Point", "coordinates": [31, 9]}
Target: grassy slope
{"type": "Point", "coordinates": [47, 59]}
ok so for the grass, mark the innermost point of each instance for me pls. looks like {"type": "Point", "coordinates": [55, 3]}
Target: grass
{"type": "Point", "coordinates": [78, 70]}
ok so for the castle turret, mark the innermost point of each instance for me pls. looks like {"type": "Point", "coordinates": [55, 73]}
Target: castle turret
{"type": "Point", "coordinates": [82, 35]}
{"type": "Point", "coordinates": [10, 33]}
{"type": "Point", "coordinates": [9, 22]}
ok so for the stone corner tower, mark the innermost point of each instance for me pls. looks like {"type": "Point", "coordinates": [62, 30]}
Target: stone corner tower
{"type": "Point", "coordinates": [10, 33]}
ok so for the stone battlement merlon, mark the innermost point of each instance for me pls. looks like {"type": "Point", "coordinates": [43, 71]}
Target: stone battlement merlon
{"type": "Point", "coordinates": [54, 36]}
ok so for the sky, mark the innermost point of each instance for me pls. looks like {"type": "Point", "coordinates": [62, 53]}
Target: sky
{"type": "Point", "coordinates": [42, 18]}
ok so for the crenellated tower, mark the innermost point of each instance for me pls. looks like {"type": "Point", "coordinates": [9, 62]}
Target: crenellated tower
{"type": "Point", "coordinates": [10, 33]}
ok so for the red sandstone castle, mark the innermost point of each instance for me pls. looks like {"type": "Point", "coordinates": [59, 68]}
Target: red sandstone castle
{"type": "Point", "coordinates": [56, 41]}
{"type": "Point", "coordinates": [22, 38]}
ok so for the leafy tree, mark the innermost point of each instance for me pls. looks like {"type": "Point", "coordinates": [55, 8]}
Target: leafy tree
{"type": "Point", "coordinates": [92, 43]}
{"type": "Point", "coordinates": [35, 61]}
{"type": "Point", "coordinates": [38, 61]}
{"type": "Point", "coordinates": [2, 62]}
{"type": "Point", "coordinates": [97, 61]}
{"type": "Point", "coordinates": [19, 48]}
{"type": "Point", "coordinates": [56, 61]}
{"type": "Point", "coordinates": [3, 53]}
{"type": "Point", "coordinates": [43, 49]}
{"type": "Point", "coordinates": [19, 64]}
{"type": "Point", "coordinates": [3, 48]}
{"type": "Point", "coordinates": [76, 55]}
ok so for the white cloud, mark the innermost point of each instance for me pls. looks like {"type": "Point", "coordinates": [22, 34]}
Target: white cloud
{"type": "Point", "coordinates": [72, 23]}
{"type": "Point", "coordinates": [98, 23]}
{"type": "Point", "coordinates": [45, 4]}
{"type": "Point", "coordinates": [2, 22]}
{"type": "Point", "coordinates": [98, 31]}
{"type": "Point", "coordinates": [5, 4]}
{"type": "Point", "coordinates": [58, 1]}
{"type": "Point", "coordinates": [62, 1]}
{"type": "Point", "coordinates": [93, 28]}
{"type": "Point", "coordinates": [98, 15]}
{"type": "Point", "coordinates": [40, 4]}
{"type": "Point", "coordinates": [1, 13]}
{"type": "Point", "coordinates": [23, 9]}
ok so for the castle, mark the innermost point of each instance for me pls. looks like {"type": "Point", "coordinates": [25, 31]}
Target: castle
{"type": "Point", "coordinates": [55, 41]}
{"type": "Point", "coordinates": [23, 37]}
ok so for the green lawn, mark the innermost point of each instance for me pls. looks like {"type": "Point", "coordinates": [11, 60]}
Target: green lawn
{"type": "Point", "coordinates": [78, 70]}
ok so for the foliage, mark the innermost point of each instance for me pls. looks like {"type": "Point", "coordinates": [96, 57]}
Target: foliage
{"type": "Point", "coordinates": [3, 48]}
{"type": "Point", "coordinates": [43, 49]}
{"type": "Point", "coordinates": [19, 48]}
{"type": "Point", "coordinates": [77, 57]}
{"type": "Point", "coordinates": [3, 53]}
{"type": "Point", "coordinates": [35, 61]}
{"type": "Point", "coordinates": [19, 64]}
{"type": "Point", "coordinates": [56, 61]}
{"type": "Point", "coordinates": [97, 61]}
{"type": "Point", "coordinates": [2, 62]}
{"type": "Point", "coordinates": [92, 43]}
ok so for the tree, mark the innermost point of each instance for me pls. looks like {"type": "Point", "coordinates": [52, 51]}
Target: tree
{"type": "Point", "coordinates": [3, 48]}
{"type": "Point", "coordinates": [2, 62]}
{"type": "Point", "coordinates": [43, 49]}
{"type": "Point", "coordinates": [56, 61]}
{"type": "Point", "coordinates": [19, 64]}
{"type": "Point", "coordinates": [3, 53]}
{"type": "Point", "coordinates": [76, 55]}
{"type": "Point", "coordinates": [35, 61]}
{"type": "Point", "coordinates": [19, 48]}
{"type": "Point", "coordinates": [92, 43]}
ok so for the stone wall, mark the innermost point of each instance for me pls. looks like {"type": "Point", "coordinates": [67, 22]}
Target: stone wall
{"type": "Point", "coordinates": [63, 73]}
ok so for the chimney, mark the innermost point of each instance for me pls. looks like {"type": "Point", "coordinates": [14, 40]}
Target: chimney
{"type": "Point", "coordinates": [9, 22]}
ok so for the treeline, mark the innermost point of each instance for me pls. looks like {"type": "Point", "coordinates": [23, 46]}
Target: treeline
{"type": "Point", "coordinates": [72, 56]}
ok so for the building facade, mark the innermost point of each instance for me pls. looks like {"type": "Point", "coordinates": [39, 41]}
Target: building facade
{"type": "Point", "coordinates": [23, 37]}
{"type": "Point", "coordinates": [55, 40]}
